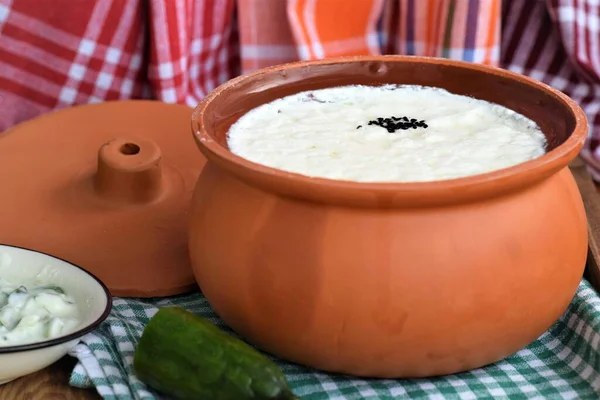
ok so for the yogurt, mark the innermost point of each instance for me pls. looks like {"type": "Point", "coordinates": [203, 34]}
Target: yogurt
{"type": "Point", "coordinates": [390, 133]}
{"type": "Point", "coordinates": [30, 314]}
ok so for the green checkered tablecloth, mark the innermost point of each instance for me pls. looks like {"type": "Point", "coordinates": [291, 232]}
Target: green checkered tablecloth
{"type": "Point", "coordinates": [564, 363]}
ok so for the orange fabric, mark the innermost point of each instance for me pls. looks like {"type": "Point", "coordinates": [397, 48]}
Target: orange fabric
{"type": "Point", "coordinates": [277, 31]}
{"type": "Point", "coordinates": [493, 33]}
{"type": "Point", "coordinates": [334, 28]}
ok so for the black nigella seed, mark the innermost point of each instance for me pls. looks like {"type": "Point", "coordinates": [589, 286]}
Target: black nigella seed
{"type": "Point", "coordinates": [393, 123]}
{"type": "Point", "coordinates": [278, 111]}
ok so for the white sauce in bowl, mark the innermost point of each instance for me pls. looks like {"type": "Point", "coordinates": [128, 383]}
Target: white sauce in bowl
{"type": "Point", "coordinates": [30, 314]}
{"type": "Point", "coordinates": [326, 133]}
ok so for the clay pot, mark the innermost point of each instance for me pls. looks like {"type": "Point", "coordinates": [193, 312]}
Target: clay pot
{"type": "Point", "coordinates": [394, 279]}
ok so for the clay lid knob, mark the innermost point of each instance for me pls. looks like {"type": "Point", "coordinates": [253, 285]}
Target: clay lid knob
{"type": "Point", "coordinates": [129, 171]}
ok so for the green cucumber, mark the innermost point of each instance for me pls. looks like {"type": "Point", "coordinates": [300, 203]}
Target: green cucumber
{"type": "Point", "coordinates": [187, 357]}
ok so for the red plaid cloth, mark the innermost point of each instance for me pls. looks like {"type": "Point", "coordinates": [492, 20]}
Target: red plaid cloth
{"type": "Point", "coordinates": [558, 42]}
{"type": "Point", "coordinates": [56, 53]}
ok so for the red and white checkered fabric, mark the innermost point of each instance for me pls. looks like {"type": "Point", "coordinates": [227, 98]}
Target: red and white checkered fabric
{"type": "Point", "coordinates": [56, 53]}
{"type": "Point", "coordinates": [265, 35]}
{"type": "Point", "coordinates": [45, 65]}
{"type": "Point", "coordinates": [193, 48]}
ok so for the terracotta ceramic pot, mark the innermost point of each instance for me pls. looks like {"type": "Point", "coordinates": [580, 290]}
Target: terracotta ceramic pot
{"type": "Point", "coordinates": [394, 279]}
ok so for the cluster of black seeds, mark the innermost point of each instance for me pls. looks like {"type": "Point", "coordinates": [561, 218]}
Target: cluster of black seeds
{"type": "Point", "coordinates": [393, 124]}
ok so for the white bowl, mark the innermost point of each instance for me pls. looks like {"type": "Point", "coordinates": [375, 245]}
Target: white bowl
{"type": "Point", "coordinates": [92, 297]}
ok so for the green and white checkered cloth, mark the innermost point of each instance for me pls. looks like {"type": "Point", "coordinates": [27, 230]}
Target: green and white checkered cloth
{"type": "Point", "coordinates": [564, 363]}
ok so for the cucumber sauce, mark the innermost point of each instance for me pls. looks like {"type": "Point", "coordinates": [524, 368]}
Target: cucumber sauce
{"type": "Point", "coordinates": [30, 314]}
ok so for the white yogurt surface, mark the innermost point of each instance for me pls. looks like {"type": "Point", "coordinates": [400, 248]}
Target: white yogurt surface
{"type": "Point", "coordinates": [317, 134]}
{"type": "Point", "coordinates": [30, 314]}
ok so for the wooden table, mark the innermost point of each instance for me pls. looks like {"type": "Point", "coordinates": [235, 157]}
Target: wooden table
{"type": "Point", "coordinates": [51, 383]}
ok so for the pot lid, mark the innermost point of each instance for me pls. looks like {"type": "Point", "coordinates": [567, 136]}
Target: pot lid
{"type": "Point", "coordinates": [107, 187]}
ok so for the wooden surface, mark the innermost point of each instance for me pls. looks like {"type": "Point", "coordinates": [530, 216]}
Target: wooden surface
{"type": "Point", "coordinates": [53, 382]}
{"type": "Point", "coordinates": [591, 201]}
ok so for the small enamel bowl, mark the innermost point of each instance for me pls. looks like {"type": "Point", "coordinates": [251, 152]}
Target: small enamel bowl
{"type": "Point", "coordinates": [90, 294]}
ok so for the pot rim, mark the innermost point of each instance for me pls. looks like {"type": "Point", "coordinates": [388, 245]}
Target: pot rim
{"type": "Point", "coordinates": [392, 194]}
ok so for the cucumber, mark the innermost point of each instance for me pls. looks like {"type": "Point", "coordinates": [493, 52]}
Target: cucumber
{"type": "Point", "coordinates": [187, 357]}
